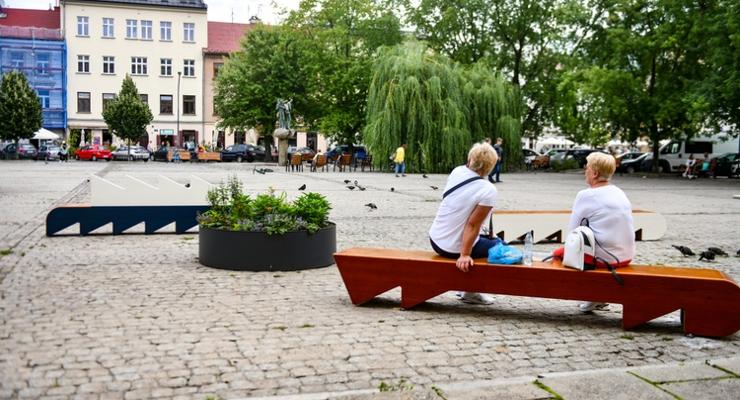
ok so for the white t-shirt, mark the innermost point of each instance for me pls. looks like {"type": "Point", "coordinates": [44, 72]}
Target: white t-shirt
{"type": "Point", "coordinates": [609, 215]}
{"type": "Point", "coordinates": [449, 223]}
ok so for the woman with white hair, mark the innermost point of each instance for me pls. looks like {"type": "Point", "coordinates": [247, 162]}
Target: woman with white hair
{"type": "Point", "coordinates": [608, 212]}
{"type": "Point", "coordinates": [467, 201]}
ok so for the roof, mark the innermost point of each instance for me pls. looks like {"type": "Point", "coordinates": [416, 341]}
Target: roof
{"type": "Point", "coordinates": [21, 17]}
{"type": "Point", "coordinates": [224, 37]}
{"type": "Point", "coordinates": [198, 4]}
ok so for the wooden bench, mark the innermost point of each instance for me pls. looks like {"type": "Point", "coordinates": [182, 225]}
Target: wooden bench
{"type": "Point", "coordinates": [209, 156]}
{"type": "Point", "coordinates": [709, 300]}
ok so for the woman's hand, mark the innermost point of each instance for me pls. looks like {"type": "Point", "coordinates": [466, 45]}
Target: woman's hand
{"type": "Point", "coordinates": [463, 263]}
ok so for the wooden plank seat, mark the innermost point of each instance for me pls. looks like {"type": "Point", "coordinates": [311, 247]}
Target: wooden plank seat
{"type": "Point", "coordinates": [709, 300]}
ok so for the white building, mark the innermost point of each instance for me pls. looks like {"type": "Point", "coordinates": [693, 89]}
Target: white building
{"type": "Point", "coordinates": [158, 42]}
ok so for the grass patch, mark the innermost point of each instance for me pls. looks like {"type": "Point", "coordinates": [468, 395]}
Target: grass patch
{"type": "Point", "coordinates": [6, 252]}
{"type": "Point", "coordinates": [280, 327]}
{"type": "Point", "coordinates": [307, 326]}
{"type": "Point", "coordinates": [627, 337]}
{"type": "Point", "coordinates": [546, 388]}
{"type": "Point", "coordinates": [188, 238]}
{"type": "Point", "coordinates": [401, 385]}
{"type": "Point", "coordinates": [439, 392]}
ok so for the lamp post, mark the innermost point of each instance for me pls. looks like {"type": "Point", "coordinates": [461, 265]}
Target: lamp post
{"type": "Point", "coordinates": [177, 100]}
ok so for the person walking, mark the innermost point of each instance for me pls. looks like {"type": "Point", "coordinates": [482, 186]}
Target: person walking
{"type": "Point", "coordinates": [400, 159]}
{"type": "Point", "coordinates": [497, 169]}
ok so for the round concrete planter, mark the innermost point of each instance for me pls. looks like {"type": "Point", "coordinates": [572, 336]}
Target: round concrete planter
{"type": "Point", "coordinates": [258, 251]}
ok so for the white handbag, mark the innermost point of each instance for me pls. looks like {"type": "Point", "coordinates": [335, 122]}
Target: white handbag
{"type": "Point", "coordinates": [579, 242]}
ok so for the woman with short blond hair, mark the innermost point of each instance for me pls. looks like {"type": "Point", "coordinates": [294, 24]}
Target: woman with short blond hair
{"type": "Point", "coordinates": [608, 212]}
{"type": "Point", "coordinates": [467, 201]}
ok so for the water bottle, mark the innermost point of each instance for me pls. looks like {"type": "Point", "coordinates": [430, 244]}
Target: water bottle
{"type": "Point", "coordinates": [527, 259]}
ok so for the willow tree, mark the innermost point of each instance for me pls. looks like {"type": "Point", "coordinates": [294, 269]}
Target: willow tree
{"type": "Point", "coordinates": [435, 106]}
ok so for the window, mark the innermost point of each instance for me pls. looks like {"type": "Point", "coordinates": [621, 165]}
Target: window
{"type": "Point", "coordinates": [83, 102]}
{"type": "Point", "coordinates": [188, 105]}
{"type": "Point", "coordinates": [188, 68]}
{"type": "Point", "coordinates": [42, 63]}
{"type": "Point", "coordinates": [166, 67]}
{"type": "Point", "coordinates": [109, 65]}
{"type": "Point", "coordinates": [107, 98]}
{"type": "Point", "coordinates": [216, 69]}
{"type": "Point", "coordinates": [165, 30]}
{"type": "Point", "coordinates": [146, 30]}
{"type": "Point", "coordinates": [138, 66]}
{"type": "Point", "coordinates": [165, 104]}
{"type": "Point", "coordinates": [131, 29]}
{"type": "Point", "coordinates": [144, 98]}
{"type": "Point", "coordinates": [44, 98]}
{"type": "Point", "coordinates": [83, 26]}
{"type": "Point", "coordinates": [83, 64]}
{"type": "Point", "coordinates": [188, 32]}
{"type": "Point", "coordinates": [17, 59]}
{"type": "Point", "coordinates": [108, 28]}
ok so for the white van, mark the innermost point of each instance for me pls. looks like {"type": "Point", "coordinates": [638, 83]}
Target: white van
{"type": "Point", "coordinates": [673, 155]}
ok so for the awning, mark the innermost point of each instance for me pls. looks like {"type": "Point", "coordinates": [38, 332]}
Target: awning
{"type": "Point", "coordinates": [45, 134]}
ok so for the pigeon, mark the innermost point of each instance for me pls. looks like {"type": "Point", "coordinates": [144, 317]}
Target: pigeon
{"type": "Point", "coordinates": [267, 170]}
{"type": "Point", "coordinates": [717, 251]}
{"type": "Point", "coordinates": [362, 188]}
{"type": "Point", "coordinates": [187, 185]}
{"type": "Point", "coordinates": [303, 187]}
{"type": "Point", "coordinates": [347, 181]}
{"type": "Point", "coordinates": [350, 187]}
{"type": "Point", "coordinates": [356, 184]}
{"type": "Point", "coordinates": [259, 171]}
{"type": "Point", "coordinates": [684, 250]}
{"type": "Point", "coordinates": [372, 206]}
{"type": "Point", "coordinates": [737, 254]}
{"type": "Point", "coordinates": [433, 187]}
{"type": "Point", "coordinates": [706, 255]}
{"type": "Point", "coordinates": [394, 189]}
{"type": "Point", "coordinates": [424, 176]}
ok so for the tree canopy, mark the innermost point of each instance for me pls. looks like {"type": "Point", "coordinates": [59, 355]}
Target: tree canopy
{"type": "Point", "coordinates": [126, 115]}
{"type": "Point", "coordinates": [437, 107]}
{"type": "Point", "coordinates": [20, 108]}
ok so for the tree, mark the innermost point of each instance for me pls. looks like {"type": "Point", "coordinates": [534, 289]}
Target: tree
{"type": "Point", "coordinates": [268, 66]}
{"type": "Point", "coordinates": [437, 107]}
{"type": "Point", "coordinates": [126, 115]}
{"type": "Point", "coordinates": [346, 34]}
{"type": "Point", "coordinates": [20, 108]}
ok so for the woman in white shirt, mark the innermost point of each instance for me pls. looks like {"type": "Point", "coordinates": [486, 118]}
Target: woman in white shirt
{"type": "Point", "coordinates": [467, 201]}
{"type": "Point", "coordinates": [608, 212]}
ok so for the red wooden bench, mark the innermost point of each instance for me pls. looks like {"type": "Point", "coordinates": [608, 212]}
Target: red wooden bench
{"type": "Point", "coordinates": [709, 300]}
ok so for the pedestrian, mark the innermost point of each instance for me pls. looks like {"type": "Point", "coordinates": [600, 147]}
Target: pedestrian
{"type": "Point", "coordinates": [497, 169]}
{"type": "Point", "coordinates": [63, 153]}
{"type": "Point", "coordinates": [688, 173]}
{"type": "Point", "coordinates": [399, 157]}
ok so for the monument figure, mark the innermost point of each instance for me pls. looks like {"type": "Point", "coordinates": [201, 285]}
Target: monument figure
{"type": "Point", "coordinates": [283, 131]}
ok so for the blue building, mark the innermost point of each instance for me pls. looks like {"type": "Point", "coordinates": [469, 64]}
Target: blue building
{"type": "Point", "coordinates": [31, 42]}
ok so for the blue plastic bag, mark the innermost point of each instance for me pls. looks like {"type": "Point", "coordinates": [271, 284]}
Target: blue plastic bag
{"type": "Point", "coordinates": [504, 254]}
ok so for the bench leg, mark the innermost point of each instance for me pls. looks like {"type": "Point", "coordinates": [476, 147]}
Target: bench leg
{"type": "Point", "coordinates": [413, 295]}
{"type": "Point", "coordinates": [634, 315]}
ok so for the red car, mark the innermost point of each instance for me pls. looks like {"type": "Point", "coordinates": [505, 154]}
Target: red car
{"type": "Point", "coordinates": [93, 153]}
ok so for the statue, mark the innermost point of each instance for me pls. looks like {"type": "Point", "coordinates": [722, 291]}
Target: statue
{"type": "Point", "coordinates": [283, 131]}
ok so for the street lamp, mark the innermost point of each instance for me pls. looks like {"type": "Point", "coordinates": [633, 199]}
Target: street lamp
{"type": "Point", "coordinates": [177, 99]}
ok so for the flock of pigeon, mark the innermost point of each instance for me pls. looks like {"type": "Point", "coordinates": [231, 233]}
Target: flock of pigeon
{"type": "Point", "coordinates": [709, 254]}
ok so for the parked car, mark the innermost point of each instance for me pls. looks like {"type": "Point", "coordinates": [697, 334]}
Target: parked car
{"type": "Point", "coordinates": [240, 152]}
{"type": "Point", "coordinates": [577, 154]}
{"type": "Point", "coordinates": [259, 152]}
{"type": "Point", "coordinates": [93, 153]}
{"type": "Point", "coordinates": [727, 164]}
{"type": "Point", "coordinates": [631, 162]}
{"type": "Point", "coordinates": [306, 152]}
{"type": "Point", "coordinates": [529, 156]}
{"type": "Point", "coordinates": [137, 153]}
{"type": "Point", "coordinates": [12, 151]}
{"type": "Point", "coordinates": [50, 152]}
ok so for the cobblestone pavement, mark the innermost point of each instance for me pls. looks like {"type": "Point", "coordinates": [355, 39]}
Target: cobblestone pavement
{"type": "Point", "coordinates": [136, 316]}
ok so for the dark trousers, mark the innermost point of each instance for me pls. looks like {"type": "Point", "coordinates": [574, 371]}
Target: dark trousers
{"type": "Point", "coordinates": [480, 249]}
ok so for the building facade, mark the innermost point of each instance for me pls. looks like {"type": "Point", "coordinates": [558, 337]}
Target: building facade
{"type": "Point", "coordinates": [158, 43]}
{"type": "Point", "coordinates": [31, 42]}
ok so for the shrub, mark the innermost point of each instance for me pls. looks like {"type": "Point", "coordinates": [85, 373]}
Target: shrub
{"type": "Point", "coordinates": [232, 209]}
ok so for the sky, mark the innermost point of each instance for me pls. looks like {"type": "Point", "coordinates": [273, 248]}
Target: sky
{"type": "Point", "coordinates": [218, 10]}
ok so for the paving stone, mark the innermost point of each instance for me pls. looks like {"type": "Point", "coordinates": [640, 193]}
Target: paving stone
{"type": "Point", "coordinates": [603, 385]}
{"type": "Point", "coordinates": [679, 372]}
{"type": "Point", "coordinates": [715, 389]}
{"type": "Point", "coordinates": [730, 364]}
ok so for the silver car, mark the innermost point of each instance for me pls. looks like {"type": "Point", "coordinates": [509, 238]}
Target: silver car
{"type": "Point", "coordinates": [137, 153]}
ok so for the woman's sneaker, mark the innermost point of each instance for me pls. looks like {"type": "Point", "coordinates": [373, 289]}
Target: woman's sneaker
{"type": "Point", "coordinates": [589, 306]}
{"type": "Point", "coordinates": [475, 298]}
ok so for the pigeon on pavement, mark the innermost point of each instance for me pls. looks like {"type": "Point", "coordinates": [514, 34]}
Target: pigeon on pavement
{"type": "Point", "coordinates": [684, 250]}
{"type": "Point", "coordinates": [372, 206]}
{"type": "Point", "coordinates": [433, 187]}
{"type": "Point", "coordinates": [717, 251]}
{"type": "Point", "coordinates": [303, 187]}
{"type": "Point", "coordinates": [350, 187]}
{"type": "Point", "coordinates": [706, 255]}
{"type": "Point", "coordinates": [424, 176]}
{"type": "Point", "coordinates": [347, 181]}
{"type": "Point", "coordinates": [394, 189]}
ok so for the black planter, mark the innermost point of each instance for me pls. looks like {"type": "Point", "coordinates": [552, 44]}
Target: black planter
{"type": "Point", "coordinates": [258, 251]}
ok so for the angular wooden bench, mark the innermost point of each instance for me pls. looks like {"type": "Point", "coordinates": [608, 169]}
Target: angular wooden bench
{"type": "Point", "coordinates": [709, 300]}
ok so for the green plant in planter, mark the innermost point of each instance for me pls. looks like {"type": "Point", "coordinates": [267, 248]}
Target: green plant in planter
{"type": "Point", "coordinates": [272, 213]}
